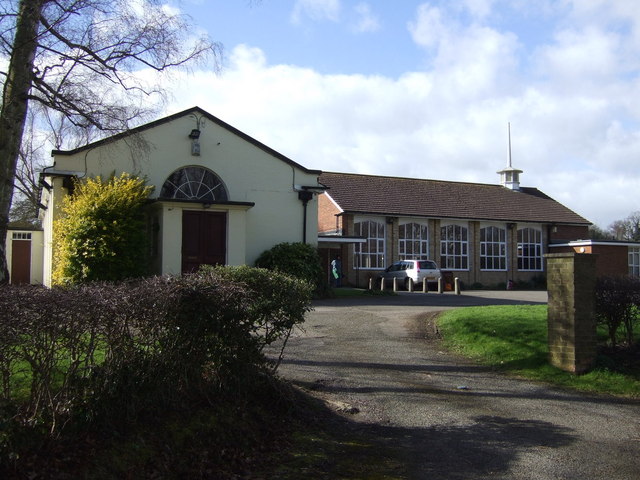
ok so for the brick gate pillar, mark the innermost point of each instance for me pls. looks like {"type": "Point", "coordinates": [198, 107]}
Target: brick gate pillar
{"type": "Point", "coordinates": [571, 322]}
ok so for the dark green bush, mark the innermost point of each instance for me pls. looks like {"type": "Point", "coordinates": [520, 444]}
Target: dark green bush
{"type": "Point", "coordinates": [110, 354]}
{"type": "Point", "coordinates": [276, 302]}
{"type": "Point", "coordinates": [537, 282]}
{"type": "Point", "coordinates": [618, 305]}
{"type": "Point", "coordinates": [299, 260]}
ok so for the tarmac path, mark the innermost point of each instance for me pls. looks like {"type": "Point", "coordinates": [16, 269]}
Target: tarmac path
{"type": "Point", "coordinates": [453, 418]}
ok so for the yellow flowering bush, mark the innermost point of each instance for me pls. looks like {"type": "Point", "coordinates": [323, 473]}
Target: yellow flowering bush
{"type": "Point", "coordinates": [101, 232]}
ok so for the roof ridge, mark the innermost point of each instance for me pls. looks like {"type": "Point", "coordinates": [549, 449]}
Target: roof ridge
{"type": "Point", "coordinates": [169, 118]}
{"type": "Point", "coordinates": [393, 177]}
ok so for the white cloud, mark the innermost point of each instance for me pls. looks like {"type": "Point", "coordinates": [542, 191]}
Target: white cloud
{"type": "Point", "coordinates": [570, 147]}
{"type": "Point", "coordinates": [367, 21]}
{"type": "Point", "coordinates": [316, 10]}
{"type": "Point", "coordinates": [579, 57]}
{"type": "Point", "coordinates": [479, 8]}
{"type": "Point", "coordinates": [469, 61]}
{"type": "Point", "coordinates": [572, 104]}
{"type": "Point", "coordinates": [619, 17]}
{"type": "Point", "coordinates": [428, 29]}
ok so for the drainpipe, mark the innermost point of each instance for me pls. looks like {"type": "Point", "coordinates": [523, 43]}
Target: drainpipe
{"type": "Point", "coordinates": [304, 196]}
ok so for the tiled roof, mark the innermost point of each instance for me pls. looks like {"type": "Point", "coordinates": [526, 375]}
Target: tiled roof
{"type": "Point", "coordinates": [440, 199]}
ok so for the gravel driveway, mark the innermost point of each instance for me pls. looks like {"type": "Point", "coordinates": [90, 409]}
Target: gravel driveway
{"type": "Point", "coordinates": [453, 419]}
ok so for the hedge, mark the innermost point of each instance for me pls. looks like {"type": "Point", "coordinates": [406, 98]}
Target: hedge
{"type": "Point", "coordinates": [118, 352]}
{"type": "Point", "coordinates": [618, 305]}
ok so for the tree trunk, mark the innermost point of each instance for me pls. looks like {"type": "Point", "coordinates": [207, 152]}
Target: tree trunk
{"type": "Point", "coordinates": [14, 110]}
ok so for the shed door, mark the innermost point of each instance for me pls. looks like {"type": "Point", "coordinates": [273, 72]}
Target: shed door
{"type": "Point", "coordinates": [20, 261]}
{"type": "Point", "coordinates": [204, 239]}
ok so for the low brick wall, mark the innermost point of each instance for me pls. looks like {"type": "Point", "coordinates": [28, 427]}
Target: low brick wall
{"type": "Point", "coordinates": [571, 320]}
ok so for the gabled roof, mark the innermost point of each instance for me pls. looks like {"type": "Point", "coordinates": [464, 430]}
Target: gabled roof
{"type": "Point", "coordinates": [394, 196]}
{"type": "Point", "coordinates": [192, 110]}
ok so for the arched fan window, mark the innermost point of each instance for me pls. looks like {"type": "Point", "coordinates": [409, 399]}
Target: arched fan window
{"type": "Point", "coordinates": [194, 183]}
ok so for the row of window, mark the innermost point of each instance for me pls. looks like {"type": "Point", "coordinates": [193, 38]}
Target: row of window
{"type": "Point", "coordinates": [413, 243]}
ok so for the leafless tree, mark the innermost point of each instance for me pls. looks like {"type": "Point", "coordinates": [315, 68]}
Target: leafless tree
{"type": "Point", "coordinates": [627, 229]}
{"type": "Point", "coordinates": [44, 129]}
{"type": "Point", "coordinates": [597, 233]}
{"type": "Point", "coordinates": [30, 160]}
{"type": "Point", "coordinates": [84, 60]}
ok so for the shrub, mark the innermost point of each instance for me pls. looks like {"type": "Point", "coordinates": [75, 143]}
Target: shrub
{"type": "Point", "coordinates": [618, 304]}
{"type": "Point", "coordinates": [299, 260]}
{"type": "Point", "coordinates": [169, 341]}
{"type": "Point", "coordinates": [537, 282]}
{"type": "Point", "coordinates": [276, 302]}
{"type": "Point", "coordinates": [101, 234]}
{"type": "Point", "coordinates": [111, 353]}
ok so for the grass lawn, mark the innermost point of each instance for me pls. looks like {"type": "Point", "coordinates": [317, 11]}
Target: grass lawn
{"type": "Point", "coordinates": [514, 339]}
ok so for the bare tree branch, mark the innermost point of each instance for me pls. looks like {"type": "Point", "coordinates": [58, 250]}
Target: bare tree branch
{"type": "Point", "coordinates": [76, 58]}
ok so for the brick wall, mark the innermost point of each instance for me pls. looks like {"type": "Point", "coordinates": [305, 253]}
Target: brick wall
{"type": "Point", "coordinates": [612, 260]}
{"type": "Point", "coordinates": [327, 211]}
{"type": "Point", "coordinates": [568, 232]}
{"type": "Point", "coordinates": [571, 318]}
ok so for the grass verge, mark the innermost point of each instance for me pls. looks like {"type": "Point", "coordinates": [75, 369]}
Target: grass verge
{"type": "Point", "coordinates": [514, 339]}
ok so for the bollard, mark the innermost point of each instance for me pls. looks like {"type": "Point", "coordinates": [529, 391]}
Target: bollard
{"type": "Point", "coordinates": [395, 284]}
{"type": "Point", "coordinates": [382, 284]}
{"type": "Point", "coordinates": [440, 285]}
{"type": "Point", "coordinates": [425, 286]}
{"type": "Point", "coordinates": [456, 282]}
{"type": "Point", "coordinates": [410, 285]}
{"type": "Point", "coordinates": [371, 284]}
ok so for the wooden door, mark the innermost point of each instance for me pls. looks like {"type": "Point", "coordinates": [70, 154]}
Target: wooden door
{"type": "Point", "coordinates": [204, 239]}
{"type": "Point", "coordinates": [20, 261]}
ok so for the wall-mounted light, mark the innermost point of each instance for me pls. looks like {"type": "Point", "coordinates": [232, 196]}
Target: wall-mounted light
{"type": "Point", "coordinates": [195, 134]}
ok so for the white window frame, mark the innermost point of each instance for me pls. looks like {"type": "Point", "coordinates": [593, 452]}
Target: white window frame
{"type": "Point", "coordinates": [194, 182]}
{"type": "Point", "coordinates": [416, 244]}
{"type": "Point", "coordinates": [454, 247]}
{"type": "Point", "coordinates": [371, 254]}
{"type": "Point", "coordinates": [21, 236]}
{"type": "Point", "coordinates": [493, 251]}
{"type": "Point", "coordinates": [634, 261]}
{"type": "Point", "coordinates": [528, 245]}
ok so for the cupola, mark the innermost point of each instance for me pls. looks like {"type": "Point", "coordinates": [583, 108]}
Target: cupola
{"type": "Point", "coordinates": [510, 177]}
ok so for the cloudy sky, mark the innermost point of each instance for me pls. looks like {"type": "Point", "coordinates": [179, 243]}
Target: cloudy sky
{"type": "Point", "coordinates": [427, 89]}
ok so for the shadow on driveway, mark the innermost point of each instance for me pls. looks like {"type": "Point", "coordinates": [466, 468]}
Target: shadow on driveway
{"type": "Point", "coordinates": [486, 446]}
